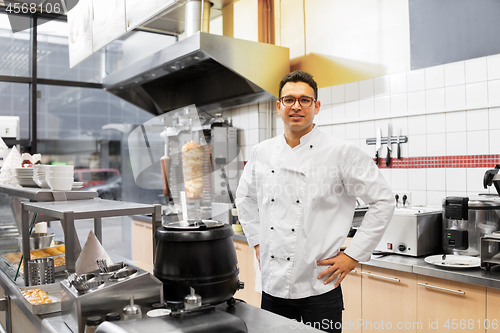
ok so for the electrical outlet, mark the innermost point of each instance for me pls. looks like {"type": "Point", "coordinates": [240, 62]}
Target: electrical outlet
{"type": "Point", "coordinates": [402, 195]}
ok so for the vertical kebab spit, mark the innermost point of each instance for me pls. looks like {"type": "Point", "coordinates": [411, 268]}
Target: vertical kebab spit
{"type": "Point", "coordinates": [165, 167]}
{"type": "Point", "coordinates": [192, 169]}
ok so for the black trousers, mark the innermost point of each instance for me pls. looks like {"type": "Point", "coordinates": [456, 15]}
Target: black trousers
{"type": "Point", "coordinates": [323, 312]}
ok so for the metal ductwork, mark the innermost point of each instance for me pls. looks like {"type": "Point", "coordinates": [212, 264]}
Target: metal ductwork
{"type": "Point", "coordinates": [207, 70]}
{"type": "Point", "coordinates": [194, 10]}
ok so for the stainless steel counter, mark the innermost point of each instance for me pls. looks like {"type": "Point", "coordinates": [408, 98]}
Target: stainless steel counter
{"type": "Point", "coordinates": [415, 265]}
{"type": "Point", "coordinates": [39, 194]}
{"type": "Point", "coordinates": [51, 322]}
{"type": "Point", "coordinates": [70, 211]}
{"type": "Point", "coordinates": [256, 320]}
{"type": "Point", "coordinates": [475, 276]}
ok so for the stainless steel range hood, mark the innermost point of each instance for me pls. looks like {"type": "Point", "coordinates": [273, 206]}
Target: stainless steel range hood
{"type": "Point", "coordinates": [208, 70]}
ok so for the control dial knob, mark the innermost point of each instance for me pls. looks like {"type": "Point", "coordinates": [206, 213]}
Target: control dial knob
{"type": "Point", "coordinates": [402, 247]}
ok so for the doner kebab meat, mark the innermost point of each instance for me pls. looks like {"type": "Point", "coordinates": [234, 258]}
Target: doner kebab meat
{"type": "Point", "coordinates": [192, 169]}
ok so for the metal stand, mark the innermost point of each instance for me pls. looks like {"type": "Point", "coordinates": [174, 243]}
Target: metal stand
{"type": "Point", "coordinates": [69, 211]}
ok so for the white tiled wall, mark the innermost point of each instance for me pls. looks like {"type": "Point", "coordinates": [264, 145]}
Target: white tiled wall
{"type": "Point", "coordinates": [452, 109]}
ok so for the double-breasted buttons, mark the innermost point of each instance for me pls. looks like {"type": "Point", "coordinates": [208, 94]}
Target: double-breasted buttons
{"type": "Point", "coordinates": [298, 201]}
{"type": "Point", "coordinates": [272, 200]}
{"type": "Point", "coordinates": [288, 258]}
{"type": "Point", "coordinates": [293, 230]}
{"type": "Point", "coordinates": [272, 228]}
{"type": "Point", "coordinates": [272, 257]}
{"type": "Point", "coordinates": [272, 171]}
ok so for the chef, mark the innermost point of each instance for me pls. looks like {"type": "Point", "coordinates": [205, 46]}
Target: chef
{"type": "Point", "coordinates": [296, 201]}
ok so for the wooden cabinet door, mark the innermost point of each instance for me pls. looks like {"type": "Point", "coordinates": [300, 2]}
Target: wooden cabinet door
{"type": "Point", "coordinates": [351, 292]}
{"type": "Point", "coordinates": [3, 314]}
{"type": "Point", "coordinates": [492, 322]}
{"type": "Point", "coordinates": [388, 300]}
{"type": "Point", "coordinates": [242, 256]}
{"type": "Point", "coordinates": [449, 306]}
{"type": "Point", "coordinates": [142, 242]}
{"type": "Point", "coordinates": [254, 297]}
{"type": "Point", "coordinates": [245, 257]}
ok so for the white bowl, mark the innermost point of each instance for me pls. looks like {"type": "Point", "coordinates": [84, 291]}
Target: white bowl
{"type": "Point", "coordinates": [60, 183]}
{"type": "Point", "coordinates": [42, 182]}
{"type": "Point", "coordinates": [60, 174]}
{"type": "Point", "coordinates": [41, 167]}
{"type": "Point", "coordinates": [61, 167]}
{"type": "Point", "coordinates": [24, 171]}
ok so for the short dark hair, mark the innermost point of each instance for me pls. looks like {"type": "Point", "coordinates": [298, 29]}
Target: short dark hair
{"type": "Point", "coordinates": [299, 76]}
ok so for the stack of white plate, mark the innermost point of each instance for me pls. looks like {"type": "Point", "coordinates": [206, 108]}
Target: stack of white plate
{"type": "Point", "coordinates": [77, 185]}
{"type": "Point", "coordinates": [40, 175]}
{"type": "Point", "coordinates": [60, 177]}
{"type": "Point", "coordinates": [24, 177]}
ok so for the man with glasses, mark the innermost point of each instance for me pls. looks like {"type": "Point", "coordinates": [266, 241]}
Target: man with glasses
{"type": "Point", "coordinates": [296, 201]}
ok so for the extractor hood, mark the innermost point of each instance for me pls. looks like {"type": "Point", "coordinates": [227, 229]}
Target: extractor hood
{"type": "Point", "coordinates": [207, 70]}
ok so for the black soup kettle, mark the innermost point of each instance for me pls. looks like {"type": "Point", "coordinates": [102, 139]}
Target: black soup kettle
{"type": "Point", "coordinates": [198, 254]}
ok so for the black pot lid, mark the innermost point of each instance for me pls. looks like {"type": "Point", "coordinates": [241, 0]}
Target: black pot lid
{"type": "Point", "coordinates": [194, 225]}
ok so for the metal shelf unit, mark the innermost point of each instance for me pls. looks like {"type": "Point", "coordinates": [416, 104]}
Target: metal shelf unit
{"type": "Point", "coordinates": [70, 211]}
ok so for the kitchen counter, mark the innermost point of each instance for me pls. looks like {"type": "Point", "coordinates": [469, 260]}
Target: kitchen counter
{"type": "Point", "coordinates": [39, 194]}
{"type": "Point", "coordinates": [51, 322]}
{"type": "Point", "coordinates": [256, 319]}
{"type": "Point", "coordinates": [475, 276]}
{"type": "Point", "coordinates": [417, 265]}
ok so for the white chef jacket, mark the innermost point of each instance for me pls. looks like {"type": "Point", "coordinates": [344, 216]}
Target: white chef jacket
{"type": "Point", "coordinates": [298, 204]}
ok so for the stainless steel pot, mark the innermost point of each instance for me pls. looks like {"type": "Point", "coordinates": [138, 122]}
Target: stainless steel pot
{"type": "Point", "coordinates": [198, 254]}
{"type": "Point", "coordinates": [466, 220]}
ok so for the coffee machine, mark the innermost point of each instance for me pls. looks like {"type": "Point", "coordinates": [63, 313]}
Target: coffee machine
{"type": "Point", "coordinates": [490, 243]}
{"type": "Point", "coordinates": [466, 220]}
{"type": "Point", "coordinates": [491, 177]}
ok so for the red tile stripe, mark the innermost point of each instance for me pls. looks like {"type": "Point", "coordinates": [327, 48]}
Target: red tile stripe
{"type": "Point", "coordinates": [459, 161]}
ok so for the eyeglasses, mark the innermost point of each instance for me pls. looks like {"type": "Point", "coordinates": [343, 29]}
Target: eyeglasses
{"type": "Point", "coordinates": [304, 101]}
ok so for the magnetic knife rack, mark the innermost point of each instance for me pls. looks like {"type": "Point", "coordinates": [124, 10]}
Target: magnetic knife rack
{"type": "Point", "coordinates": [394, 140]}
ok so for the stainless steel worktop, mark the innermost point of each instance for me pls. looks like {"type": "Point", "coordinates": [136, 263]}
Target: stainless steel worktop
{"type": "Point", "coordinates": [40, 194]}
{"type": "Point", "coordinates": [475, 276]}
{"type": "Point", "coordinates": [417, 265]}
{"type": "Point", "coordinates": [70, 211]}
{"type": "Point", "coordinates": [256, 319]}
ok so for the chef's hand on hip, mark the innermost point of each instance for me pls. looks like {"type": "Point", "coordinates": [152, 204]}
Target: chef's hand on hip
{"type": "Point", "coordinates": [340, 265]}
{"type": "Point", "coordinates": [257, 253]}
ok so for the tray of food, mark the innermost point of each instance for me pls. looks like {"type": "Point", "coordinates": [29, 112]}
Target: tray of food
{"type": "Point", "coordinates": [42, 299]}
{"type": "Point", "coordinates": [56, 252]}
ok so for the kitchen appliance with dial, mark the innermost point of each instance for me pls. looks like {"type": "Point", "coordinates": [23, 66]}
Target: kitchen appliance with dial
{"type": "Point", "coordinates": [414, 231]}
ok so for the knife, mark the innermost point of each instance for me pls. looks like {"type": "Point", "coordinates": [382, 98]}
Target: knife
{"type": "Point", "coordinates": [399, 144]}
{"type": "Point", "coordinates": [389, 145]}
{"type": "Point", "coordinates": [378, 143]}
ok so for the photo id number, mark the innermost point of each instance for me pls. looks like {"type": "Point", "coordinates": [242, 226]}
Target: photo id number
{"type": "Point", "coordinates": [25, 8]}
